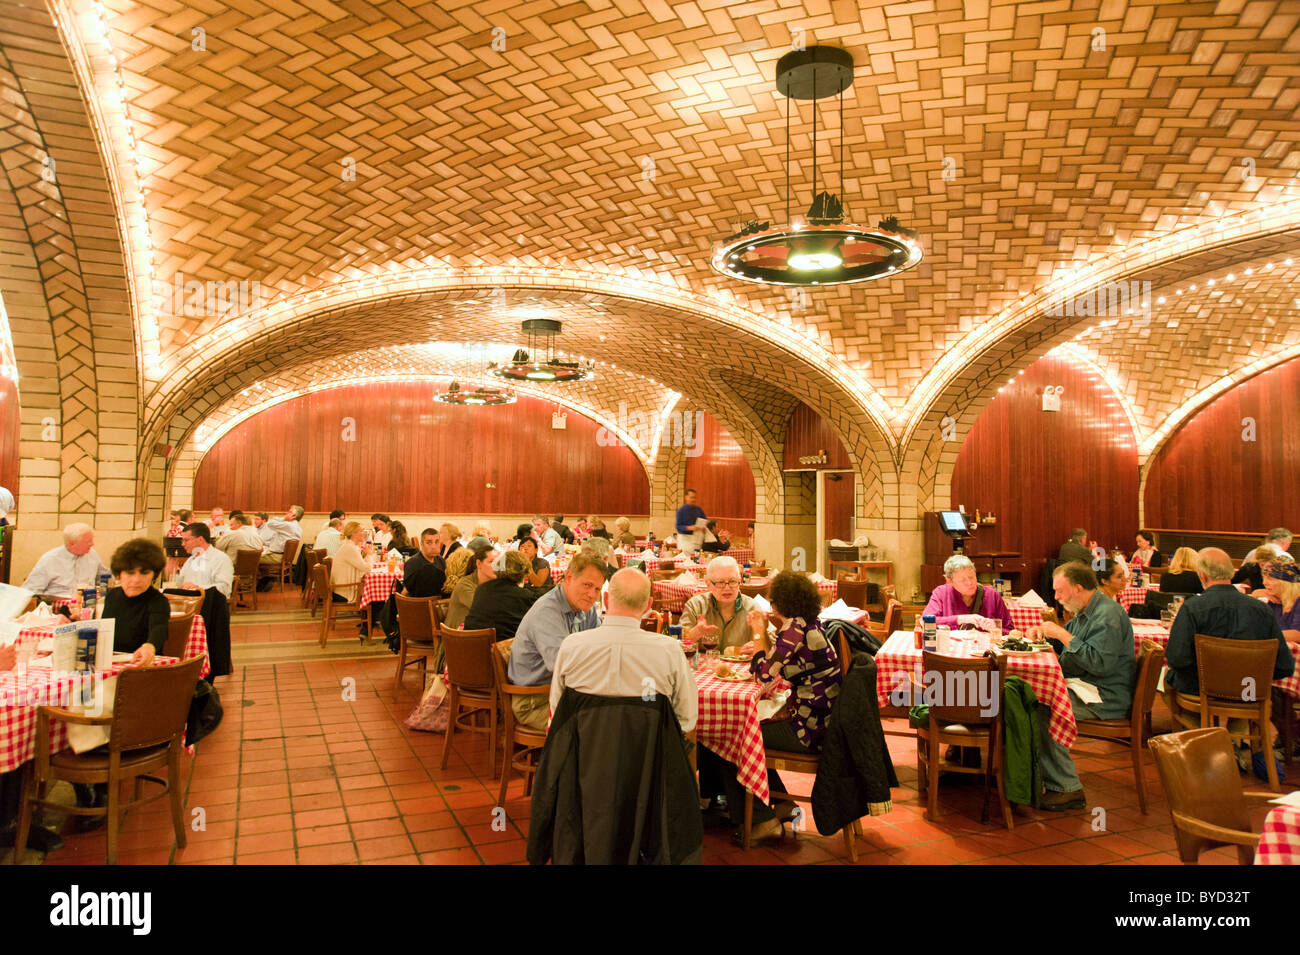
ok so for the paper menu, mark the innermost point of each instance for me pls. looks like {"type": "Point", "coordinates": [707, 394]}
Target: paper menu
{"type": "Point", "coordinates": [13, 601]}
{"type": "Point", "coordinates": [840, 611]}
{"type": "Point", "coordinates": [66, 638]}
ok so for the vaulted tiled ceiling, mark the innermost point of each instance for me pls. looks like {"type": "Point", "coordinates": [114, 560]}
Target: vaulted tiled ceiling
{"type": "Point", "coordinates": [625, 138]}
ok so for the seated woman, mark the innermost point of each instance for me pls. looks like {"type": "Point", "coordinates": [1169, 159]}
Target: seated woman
{"type": "Point", "coordinates": [351, 563]}
{"type": "Point", "coordinates": [501, 602]}
{"type": "Point", "coordinates": [1112, 576]}
{"type": "Point", "coordinates": [598, 529]}
{"type": "Point", "coordinates": [713, 542]}
{"type": "Point", "coordinates": [482, 536]}
{"type": "Point", "coordinates": [401, 540]}
{"type": "Point", "coordinates": [1251, 571]}
{"type": "Point", "coordinates": [801, 654]}
{"type": "Point", "coordinates": [624, 537]}
{"type": "Point", "coordinates": [963, 600]}
{"type": "Point", "coordinates": [1181, 577]}
{"type": "Point", "coordinates": [140, 610]}
{"type": "Point", "coordinates": [1146, 553]}
{"type": "Point", "coordinates": [456, 565]}
{"type": "Point", "coordinates": [539, 570]}
{"type": "Point", "coordinates": [478, 569]}
{"type": "Point", "coordinates": [1282, 583]}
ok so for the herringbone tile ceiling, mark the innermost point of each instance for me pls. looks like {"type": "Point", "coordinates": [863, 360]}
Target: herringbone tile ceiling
{"type": "Point", "coordinates": [1016, 137]}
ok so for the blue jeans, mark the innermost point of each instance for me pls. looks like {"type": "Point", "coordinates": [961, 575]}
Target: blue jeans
{"type": "Point", "coordinates": [1059, 773]}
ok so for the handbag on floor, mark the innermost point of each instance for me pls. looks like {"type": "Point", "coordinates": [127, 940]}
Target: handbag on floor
{"type": "Point", "coordinates": [430, 716]}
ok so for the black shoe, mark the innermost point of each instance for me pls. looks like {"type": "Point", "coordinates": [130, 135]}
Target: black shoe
{"type": "Point", "coordinates": [91, 823]}
{"type": "Point", "coordinates": [39, 839]}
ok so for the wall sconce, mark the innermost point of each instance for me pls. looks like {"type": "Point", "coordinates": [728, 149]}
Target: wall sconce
{"type": "Point", "coordinates": [1052, 397]}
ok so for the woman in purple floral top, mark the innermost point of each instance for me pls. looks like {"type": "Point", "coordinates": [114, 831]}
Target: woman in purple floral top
{"type": "Point", "coordinates": [802, 656]}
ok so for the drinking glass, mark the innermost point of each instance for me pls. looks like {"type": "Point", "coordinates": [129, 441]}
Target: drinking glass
{"type": "Point", "coordinates": [1166, 617]}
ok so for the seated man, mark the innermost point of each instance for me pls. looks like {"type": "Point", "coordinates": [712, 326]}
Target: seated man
{"type": "Point", "coordinates": [1220, 611]}
{"type": "Point", "coordinates": [618, 658]}
{"type": "Point", "coordinates": [1280, 538]}
{"type": "Point", "coordinates": [569, 608]}
{"type": "Point", "coordinates": [239, 536]}
{"type": "Point", "coordinates": [1076, 548]}
{"type": "Point", "coordinates": [600, 549]}
{"type": "Point", "coordinates": [331, 537]}
{"type": "Point", "coordinates": [1099, 650]}
{"type": "Point", "coordinates": [207, 567]}
{"type": "Point", "coordinates": [713, 541]}
{"type": "Point", "coordinates": [72, 564]}
{"type": "Point", "coordinates": [336, 514]}
{"type": "Point", "coordinates": [549, 540]}
{"type": "Point", "coordinates": [278, 532]}
{"type": "Point", "coordinates": [722, 610]}
{"type": "Point", "coordinates": [424, 573]}
{"type": "Point", "coordinates": [217, 523]}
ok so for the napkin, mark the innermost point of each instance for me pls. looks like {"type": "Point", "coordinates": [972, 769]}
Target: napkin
{"type": "Point", "coordinates": [1030, 599]}
{"type": "Point", "coordinates": [12, 601]}
{"type": "Point", "coordinates": [686, 579]}
{"type": "Point", "coordinates": [1291, 799]}
{"type": "Point", "coordinates": [770, 707]}
{"type": "Point", "coordinates": [647, 553]}
{"type": "Point", "coordinates": [760, 603]}
{"type": "Point", "coordinates": [816, 578]}
{"type": "Point", "coordinates": [1086, 692]}
{"type": "Point", "coordinates": [40, 617]}
{"type": "Point", "coordinates": [839, 611]}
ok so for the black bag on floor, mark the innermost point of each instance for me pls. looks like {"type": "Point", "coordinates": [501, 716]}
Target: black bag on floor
{"type": "Point", "coordinates": [205, 712]}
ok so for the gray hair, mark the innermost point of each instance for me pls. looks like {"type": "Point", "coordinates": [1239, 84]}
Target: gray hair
{"type": "Point", "coordinates": [74, 532]}
{"type": "Point", "coordinates": [1078, 534]}
{"type": "Point", "coordinates": [1214, 564]}
{"type": "Point", "coordinates": [598, 546]}
{"type": "Point", "coordinates": [1279, 534]}
{"type": "Point", "coordinates": [721, 563]}
{"type": "Point", "coordinates": [955, 563]}
{"type": "Point", "coordinates": [629, 589]}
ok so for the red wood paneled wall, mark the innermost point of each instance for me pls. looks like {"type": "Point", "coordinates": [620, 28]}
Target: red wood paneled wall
{"type": "Point", "coordinates": [1239, 485]}
{"type": "Point", "coordinates": [413, 454]}
{"type": "Point", "coordinates": [808, 433]}
{"type": "Point", "coordinates": [721, 476]}
{"type": "Point", "coordinates": [838, 516]}
{"type": "Point", "coordinates": [1045, 473]}
{"type": "Point", "coordinates": [10, 432]}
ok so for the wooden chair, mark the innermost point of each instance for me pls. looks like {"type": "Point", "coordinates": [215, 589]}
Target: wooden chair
{"type": "Point", "coordinates": [1207, 805]}
{"type": "Point", "coordinates": [653, 621]}
{"type": "Point", "coordinates": [417, 624]}
{"type": "Point", "coordinates": [329, 609]}
{"type": "Point", "coordinates": [183, 604]}
{"type": "Point", "coordinates": [804, 763]}
{"type": "Point", "coordinates": [471, 687]}
{"type": "Point", "coordinates": [1135, 730]}
{"type": "Point", "coordinates": [663, 574]}
{"type": "Point", "coordinates": [855, 569]}
{"type": "Point", "coordinates": [310, 558]}
{"type": "Point", "coordinates": [1236, 679]}
{"type": "Point", "coordinates": [852, 592]}
{"type": "Point", "coordinates": [285, 572]}
{"type": "Point", "coordinates": [763, 590]}
{"type": "Point", "coordinates": [515, 735]}
{"type": "Point", "coordinates": [959, 723]}
{"type": "Point", "coordinates": [178, 635]}
{"type": "Point", "coordinates": [150, 710]}
{"type": "Point", "coordinates": [893, 621]}
{"type": "Point", "coordinates": [246, 566]}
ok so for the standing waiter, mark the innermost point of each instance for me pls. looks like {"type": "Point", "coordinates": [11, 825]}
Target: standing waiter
{"type": "Point", "coordinates": [690, 524]}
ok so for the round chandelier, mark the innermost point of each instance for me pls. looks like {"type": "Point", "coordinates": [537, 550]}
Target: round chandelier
{"type": "Point", "coordinates": [476, 395]}
{"type": "Point", "coordinates": [538, 361]}
{"type": "Point", "coordinates": [819, 248]}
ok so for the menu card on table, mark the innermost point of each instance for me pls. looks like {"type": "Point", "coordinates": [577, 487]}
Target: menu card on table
{"type": "Point", "coordinates": [72, 642]}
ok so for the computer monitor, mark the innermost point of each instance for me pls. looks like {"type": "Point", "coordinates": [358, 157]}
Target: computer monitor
{"type": "Point", "coordinates": [954, 523]}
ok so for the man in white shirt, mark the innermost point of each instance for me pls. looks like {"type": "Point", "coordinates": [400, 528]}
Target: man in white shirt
{"type": "Point", "coordinates": [279, 531]}
{"type": "Point", "coordinates": [335, 514]}
{"type": "Point", "coordinates": [1280, 538]}
{"type": "Point", "coordinates": [259, 525]}
{"type": "Point", "coordinates": [64, 568]}
{"type": "Point", "coordinates": [217, 523]}
{"type": "Point", "coordinates": [331, 537]}
{"type": "Point", "coordinates": [239, 536]}
{"type": "Point", "coordinates": [207, 567]}
{"type": "Point", "coordinates": [618, 658]}
{"type": "Point", "coordinates": [6, 505]}
{"type": "Point", "coordinates": [550, 541]}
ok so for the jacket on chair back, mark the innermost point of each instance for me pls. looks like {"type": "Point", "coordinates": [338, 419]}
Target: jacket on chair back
{"type": "Point", "coordinates": [614, 786]}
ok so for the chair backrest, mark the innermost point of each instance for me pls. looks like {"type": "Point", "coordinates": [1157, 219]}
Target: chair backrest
{"type": "Point", "coordinates": [652, 621]}
{"type": "Point", "coordinates": [893, 616]}
{"type": "Point", "coordinates": [1199, 773]}
{"type": "Point", "coordinates": [183, 604]}
{"type": "Point", "coordinates": [416, 618]}
{"type": "Point", "coordinates": [965, 690]}
{"type": "Point", "coordinates": [469, 656]}
{"type": "Point", "coordinates": [246, 562]}
{"type": "Point", "coordinates": [757, 590]}
{"type": "Point", "coordinates": [328, 563]}
{"type": "Point", "coordinates": [320, 579]}
{"type": "Point", "coordinates": [1148, 677]}
{"type": "Point", "coordinates": [501, 661]}
{"type": "Point", "coordinates": [290, 549]}
{"type": "Point", "coordinates": [311, 557]}
{"type": "Point", "coordinates": [845, 653]}
{"type": "Point", "coordinates": [664, 574]}
{"type": "Point", "coordinates": [853, 592]}
{"type": "Point", "coordinates": [852, 568]}
{"type": "Point", "coordinates": [1223, 667]}
{"type": "Point", "coordinates": [152, 704]}
{"type": "Point", "coordinates": [178, 634]}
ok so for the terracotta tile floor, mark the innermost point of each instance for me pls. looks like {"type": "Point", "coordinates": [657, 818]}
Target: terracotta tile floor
{"type": "Point", "coordinates": [313, 765]}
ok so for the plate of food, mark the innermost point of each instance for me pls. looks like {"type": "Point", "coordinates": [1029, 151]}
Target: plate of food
{"type": "Point", "coordinates": [1023, 645]}
{"type": "Point", "coordinates": [733, 654]}
{"type": "Point", "coordinates": [724, 672]}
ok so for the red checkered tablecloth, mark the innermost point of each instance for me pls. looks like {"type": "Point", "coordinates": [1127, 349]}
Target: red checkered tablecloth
{"type": "Point", "coordinates": [195, 646]}
{"type": "Point", "coordinates": [899, 660]}
{"type": "Point", "coordinates": [1149, 630]}
{"type": "Point", "coordinates": [1291, 685]}
{"type": "Point", "coordinates": [728, 725]}
{"type": "Point", "coordinates": [674, 595]}
{"type": "Point", "coordinates": [378, 584]}
{"type": "Point", "coordinates": [1135, 595]}
{"type": "Point", "coordinates": [741, 554]}
{"type": "Point", "coordinates": [1280, 842]}
{"type": "Point", "coordinates": [1024, 617]}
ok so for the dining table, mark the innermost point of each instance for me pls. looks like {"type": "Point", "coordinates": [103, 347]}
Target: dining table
{"type": "Point", "coordinates": [730, 726]}
{"type": "Point", "coordinates": [674, 595]}
{"type": "Point", "coordinates": [1131, 595]}
{"type": "Point", "coordinates": [379, 583]}
{"type": "Point", "coordinates": [1279, 841]}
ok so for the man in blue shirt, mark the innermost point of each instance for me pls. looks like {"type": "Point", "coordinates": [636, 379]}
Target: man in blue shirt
{"type": "Point", "coordinates": [569, 608]}
{"type": "Point", "coordinates": [689, 515]}
{"type": "Point", "coordinates": [1099, 649]}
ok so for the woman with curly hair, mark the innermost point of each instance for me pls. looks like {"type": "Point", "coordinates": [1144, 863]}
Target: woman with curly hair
{"type": "Point", "coordinates": [801, 654]}
{"type": "Point", "coordinates": [456, 564]}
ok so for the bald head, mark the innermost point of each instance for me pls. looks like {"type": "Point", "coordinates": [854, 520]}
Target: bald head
{"type": "Point", "coordinates": [629, 594]}
{"type": "Point", "coordinates": [1214, 566]}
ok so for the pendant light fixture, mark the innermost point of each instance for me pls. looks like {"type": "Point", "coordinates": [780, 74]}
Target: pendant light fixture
{"type": "Point", "coordinates": [538, 361]}
{"type": "Point", "coordinates": [478, 393]}
{"type": "Point", "coordinates": [820, 247]}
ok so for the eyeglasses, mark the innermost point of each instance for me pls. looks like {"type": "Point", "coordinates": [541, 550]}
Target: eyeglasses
{"type": "Point", "coordinates": [725, 583]}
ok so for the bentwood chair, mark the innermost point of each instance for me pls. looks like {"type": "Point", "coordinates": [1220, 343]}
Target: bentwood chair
{"type": "Point", "coordinates": [310, 558]}
{"type": "Point", "coordinates": [960, 722]}
{"type": "Point", "coordinates": [329, 609]}
{"type": "Point", "coordinates": [516, 735]}
{"type": "Point", "coordinates": [417, 625]}
{"type": "Point", "coordinates": [471, 687]}
{"type": "Point", "coordinates": [285, 572]}
{"type": "Point", "coordinates": [182, 604]}
{"type": "Point", "coordinates": [1207, 805]}
{"type": "Point", "coordinates": [852, 592]}
{"type": "Point", "coordinates": [893, 621]}
{"type": "Point", "coordinates": [1136, 728]}
{"type": "Point", "coordinates": [653, 621]}
{"type": "Point", "coordinates": [763, 590]}
{"type": "Point", "coordinates": [1236, 679]}
{"type": "Point", "coordinates": [807, 763]}
{"type": "Point", "coordinates": [178, 635]}
{"type": "Point", "coordinates": [150, 708]}
{"type": "Point", "coordinates": [246, 566]}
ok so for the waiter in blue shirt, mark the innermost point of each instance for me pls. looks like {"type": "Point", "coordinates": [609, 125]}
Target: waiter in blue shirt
{"type": "Point", "coordinates": [690, 520]}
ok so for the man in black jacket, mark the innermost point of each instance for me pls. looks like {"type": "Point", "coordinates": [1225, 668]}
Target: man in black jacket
{"type": "Point", "coordinates": [562, 529]}
{"type": "Point", "coordinates": [424, 574]}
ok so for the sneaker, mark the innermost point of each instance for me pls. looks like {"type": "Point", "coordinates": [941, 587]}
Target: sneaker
{"type": "Point", "coordinates": [1063, 802]}
{"type": "Point", "coordinates": [1261, 768]}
